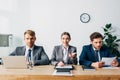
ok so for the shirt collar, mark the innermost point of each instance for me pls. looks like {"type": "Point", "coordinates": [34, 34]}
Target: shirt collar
{"type": "Point", "coordinates": [29, 48]}
{"type": "Point", "coordinates": [65, 48]}
{"type": "Point", "coordinates": [95, 49]}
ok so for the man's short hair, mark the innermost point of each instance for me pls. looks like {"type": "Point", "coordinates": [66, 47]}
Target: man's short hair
{"type": "Point", "coordinates": [30, 32]}
{"type": "Point", "coordinates": [95, 35]}
{"type": "Point", "coordinates": [65, 33]}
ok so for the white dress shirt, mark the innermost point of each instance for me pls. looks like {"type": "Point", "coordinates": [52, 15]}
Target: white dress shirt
{"type": "Point", "coordinates": [65, 53]}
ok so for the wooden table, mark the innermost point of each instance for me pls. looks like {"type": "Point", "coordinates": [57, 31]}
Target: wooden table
{"type": "Point", "coordinates": [45, 73]}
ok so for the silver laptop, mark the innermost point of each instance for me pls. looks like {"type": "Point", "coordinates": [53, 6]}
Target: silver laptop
{"type": "Point", "coordinates": [14, 62]}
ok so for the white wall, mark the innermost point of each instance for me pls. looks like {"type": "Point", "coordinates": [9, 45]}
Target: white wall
{"type": "Point", "coordinates": [49, 18]}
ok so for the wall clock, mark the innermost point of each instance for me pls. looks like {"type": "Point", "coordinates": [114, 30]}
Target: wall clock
{"type": "Point", "coordinates": [85, 17]}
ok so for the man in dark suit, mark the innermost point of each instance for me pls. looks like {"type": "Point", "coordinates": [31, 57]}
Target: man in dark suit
{"type": "Point", "coordinates": [92, 54]}
{"type": "Point", "coordinates": [65, 53]}
{"type": "Point", "coordinates": [37, 53]}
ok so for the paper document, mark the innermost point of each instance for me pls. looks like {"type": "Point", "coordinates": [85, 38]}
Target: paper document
{"type": "Point", "coordinates": [66, 66]}
{"type": "Point", "coordinates": [110, 67]}
{"type": "Point", "coordinates": [107, 60]}
{"type": "Point", "coordinates": [55, 73]}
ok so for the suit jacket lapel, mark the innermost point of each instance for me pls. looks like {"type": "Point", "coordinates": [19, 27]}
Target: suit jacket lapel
{"type": "Point", "coordinates": [23, 51]}
{"type": "Point", "coordinates": [69, 50]}
{"type": "Point", "coordinates": [61, 52]}
{"type": "Point", "coordinates": [101, 53]}
{"type": "Point", "coordinates": [34, 51]}
{"type": "Point", "coordinates": [92, 50]}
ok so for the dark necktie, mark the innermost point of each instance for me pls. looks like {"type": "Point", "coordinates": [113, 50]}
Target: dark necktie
{"type": "Point", "coordinates": [96, 55]}
{"type": "Point", "coordinates": [29, 55]}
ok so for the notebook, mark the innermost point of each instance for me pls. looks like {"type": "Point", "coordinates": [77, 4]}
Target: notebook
{"type": "Point", "coordinates": [65, 68]}
{"type": "Point", "coordinates": [88, 67]}
{"type": "Point", "coordinates": [14, 62]}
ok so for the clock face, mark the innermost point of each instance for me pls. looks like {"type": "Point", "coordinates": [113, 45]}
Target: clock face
{"type": "Point", "coordinates": [85, 18]}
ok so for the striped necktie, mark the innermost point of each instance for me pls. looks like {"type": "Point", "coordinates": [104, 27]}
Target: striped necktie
{"type": "Point", "coordinates": [29, 55]}
{"type": "Point", "coordinates": [96, 55]}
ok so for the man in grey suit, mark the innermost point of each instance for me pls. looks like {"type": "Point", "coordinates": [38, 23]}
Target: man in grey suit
{"type": "Point", "coordinates": [36, 53]}
{"type": "Point", "coordinates": [65, 53]}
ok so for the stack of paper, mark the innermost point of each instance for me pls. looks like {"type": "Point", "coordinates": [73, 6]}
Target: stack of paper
{"type": "Point", "coordinates": [69, 67]}
{"type": "Point", "coordinates": [63, 70]}
{"type": "Point", "coordinates": [57, 73]}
